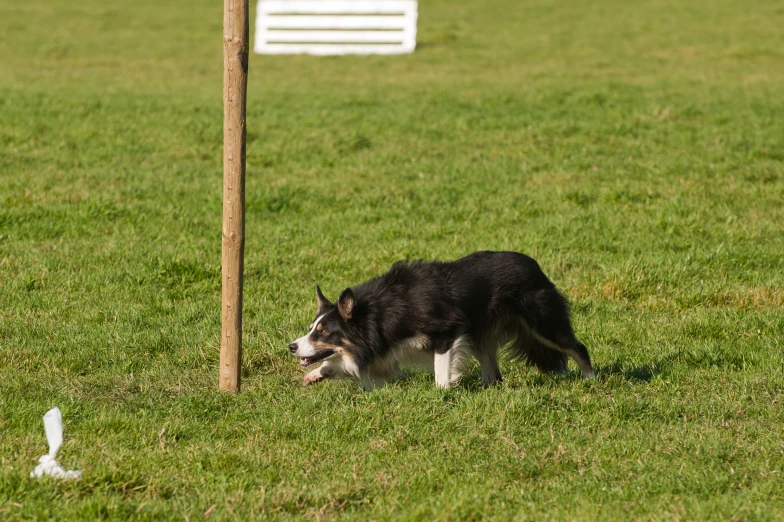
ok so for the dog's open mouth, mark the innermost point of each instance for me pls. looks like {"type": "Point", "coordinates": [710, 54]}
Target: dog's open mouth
{"type": "Point", "coordinates": [310, 361]}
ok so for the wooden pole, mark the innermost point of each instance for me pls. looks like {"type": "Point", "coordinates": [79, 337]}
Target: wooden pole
{"type": "Point", "coordinates": [235, 82]}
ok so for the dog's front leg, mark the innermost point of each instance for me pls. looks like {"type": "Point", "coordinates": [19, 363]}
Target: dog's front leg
{"type": "Point", "coordinates": [327, 370]}
{"type": "Point", "coordinates": [314, 376]}
{"type": "Point", "coordinates": [448, 366]}
{"type": "Point", "coordinates": [319, 374]}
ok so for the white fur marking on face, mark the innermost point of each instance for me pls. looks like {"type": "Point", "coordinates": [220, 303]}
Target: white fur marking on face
{"type": "Point", "coordinates": [304, 348]}
{"type": "Point", "coordinates": [316, 323]}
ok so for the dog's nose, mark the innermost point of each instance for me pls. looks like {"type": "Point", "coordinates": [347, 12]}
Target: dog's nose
{"type": "Point", "coordinates": [293, 347]}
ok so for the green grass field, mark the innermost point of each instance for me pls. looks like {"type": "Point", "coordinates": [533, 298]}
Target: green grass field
{"type": "Point", "coordinates": [636, 149]}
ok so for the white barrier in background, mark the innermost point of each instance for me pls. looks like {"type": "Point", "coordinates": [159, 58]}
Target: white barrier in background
{"type": "Point", "coordinates": [333, 27]}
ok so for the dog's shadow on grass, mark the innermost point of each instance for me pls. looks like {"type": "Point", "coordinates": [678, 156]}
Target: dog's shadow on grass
{"type": "Point", "coordinates": [644, 373]}
{"type": "Point", "coordinates": [640, 374]}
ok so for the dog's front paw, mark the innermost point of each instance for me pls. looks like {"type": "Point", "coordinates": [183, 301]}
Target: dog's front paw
{"type": "Point", "coordinates": [313, 377]}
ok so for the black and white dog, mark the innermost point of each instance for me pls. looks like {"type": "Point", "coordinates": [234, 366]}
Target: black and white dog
{"type": "Point", "coordinates": [437, 314]}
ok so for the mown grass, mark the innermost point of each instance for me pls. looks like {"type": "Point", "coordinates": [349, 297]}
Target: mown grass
{"type": "Point", "coordinates": [634, 148]}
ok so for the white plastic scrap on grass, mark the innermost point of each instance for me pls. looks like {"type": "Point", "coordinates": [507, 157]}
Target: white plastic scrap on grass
{"type": "Point", "coordinates": [334, 27]}
{"type": "Point", "coordinates": [53, 424]}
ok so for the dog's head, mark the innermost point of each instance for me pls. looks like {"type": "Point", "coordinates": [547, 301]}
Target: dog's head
{"type": "Point", "coordinates": [328, 334]}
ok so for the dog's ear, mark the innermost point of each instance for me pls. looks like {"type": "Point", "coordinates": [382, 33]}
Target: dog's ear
{"type": "Point", "coordinates": [346, 304]}
{"type": "Point", "coordinates": [323, 302]}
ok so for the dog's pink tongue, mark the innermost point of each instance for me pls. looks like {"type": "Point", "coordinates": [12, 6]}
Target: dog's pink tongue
{"type": "Point", "coordinates": [304, 361]}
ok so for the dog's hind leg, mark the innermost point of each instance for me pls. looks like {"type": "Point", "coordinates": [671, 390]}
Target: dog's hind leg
{"type": "Point", "coordinates": [546, 316]}
{"type": "Point", "coordinates": [448, 366]}
{"type": "Point", "coordinates": [491, 373]}
{"type": "Point", "coordinates": [566, 342]}
{"type": "Point", "coordinates": [486, 352]}
{"type": "Point", "coordinates": [580, 355]}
